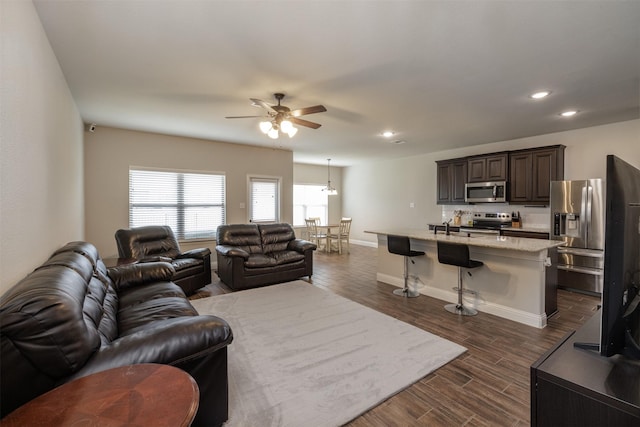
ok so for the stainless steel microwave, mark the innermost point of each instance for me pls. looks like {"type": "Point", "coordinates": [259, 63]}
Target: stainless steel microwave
{"type": "Point", "coordinates": [485, 192]}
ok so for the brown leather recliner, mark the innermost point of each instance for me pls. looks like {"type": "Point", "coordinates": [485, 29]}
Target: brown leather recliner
{"type": "Point", "coordinates": [158, 243]}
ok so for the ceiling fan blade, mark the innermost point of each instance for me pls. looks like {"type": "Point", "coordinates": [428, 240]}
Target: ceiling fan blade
{"type": "Point", "coordinates": [260, 103]}
{"type": "Point", "coordinates": [309, 110]}
{"type": "Point", "coordinates": [242, 117]}
{"type": "Point", "coordinates": [306, 123]}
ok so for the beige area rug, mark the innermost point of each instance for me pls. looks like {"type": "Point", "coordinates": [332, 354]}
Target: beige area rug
{"type": "Point", "coordinates": [303, 356]}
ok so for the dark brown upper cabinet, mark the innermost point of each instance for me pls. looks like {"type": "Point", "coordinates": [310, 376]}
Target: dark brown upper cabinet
{"type": "Point", "coordinates": [492, 167]}
{"type": "Point", "coordinates": [531, 173]}
{"type": "Point", "coordinates": [452, 175]}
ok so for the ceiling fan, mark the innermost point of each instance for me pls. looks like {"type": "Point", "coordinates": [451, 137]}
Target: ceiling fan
{"type": "Point", "coordinates": [281, 118]}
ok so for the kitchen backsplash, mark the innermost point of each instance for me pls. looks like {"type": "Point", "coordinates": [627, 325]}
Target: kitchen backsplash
{"type": "Point", "coordinates": [536, 217]}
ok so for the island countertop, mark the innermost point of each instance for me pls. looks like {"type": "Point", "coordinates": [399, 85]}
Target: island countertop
{"type": "Point", "coordinates": [492, 241]}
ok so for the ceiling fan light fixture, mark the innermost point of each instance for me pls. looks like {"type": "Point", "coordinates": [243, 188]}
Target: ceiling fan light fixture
{"type": "Point", "coordinates": [265, 127]}
{"type": "Point", "coordinates": [286, 126]}
{"type": "Point", "coordinates": [291, 132]}
{"type": "Point", "coordinates": [281, 118]}
{"type": "Point", "coordinates": [273, 133]}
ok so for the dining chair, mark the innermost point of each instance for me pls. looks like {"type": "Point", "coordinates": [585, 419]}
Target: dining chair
{"type": "Point", "coordinates": [342, 236]}
{"type": "Point", "coordinates": [313, 235]}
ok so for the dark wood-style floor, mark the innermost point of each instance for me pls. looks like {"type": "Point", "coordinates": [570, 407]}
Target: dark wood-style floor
{"type": "Point", "coordinates": [486, 386]}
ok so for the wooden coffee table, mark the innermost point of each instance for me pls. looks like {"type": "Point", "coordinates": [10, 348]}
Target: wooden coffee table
{"type": "Point", "coordinates": [137, 395]}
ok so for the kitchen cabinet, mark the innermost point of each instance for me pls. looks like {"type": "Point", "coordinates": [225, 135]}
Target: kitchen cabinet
{"type": "Point", "coordinates": [531, 172]}
{"type": "Point", "coordinates": [452, 175]}
{"type": "Point", "coordinates": [487, 168]}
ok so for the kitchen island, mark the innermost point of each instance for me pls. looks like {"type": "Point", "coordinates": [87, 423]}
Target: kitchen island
{"type": "Point", "coordinates": [516, 282]}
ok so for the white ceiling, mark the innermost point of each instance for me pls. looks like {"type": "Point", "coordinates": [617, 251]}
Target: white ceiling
{"type": "Point", "coordinates": [442, 74]}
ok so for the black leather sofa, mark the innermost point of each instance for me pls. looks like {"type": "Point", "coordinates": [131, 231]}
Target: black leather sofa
{"type": "Point", "coordinates": [253, 255]}
{"type": "Point", "coordinates": [72, 317]}
{"type": "Point", "coordinates": [158, 243]}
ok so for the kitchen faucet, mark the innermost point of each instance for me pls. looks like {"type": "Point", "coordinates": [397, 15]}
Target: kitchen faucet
{"type": "Point", "coordinates": [446, 227]}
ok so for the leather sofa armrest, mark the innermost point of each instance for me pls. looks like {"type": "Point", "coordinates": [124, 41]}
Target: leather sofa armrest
{"type": "Point", "coordinates": [157, 259]}
{"type": "Point", "coordinates": [130, 275]}
{"type": "Point", "coordinates": [301, 245]}
{"type": "Point", "coordinates": [170, 342]}
{"type": "Point", "coordinates": [232, 251]}
{"type": "Point", "coordinates": [200, 253]}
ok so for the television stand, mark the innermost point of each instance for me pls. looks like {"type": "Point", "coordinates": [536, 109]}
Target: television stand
{"type": "Point", "coordinates": [570, 386]}
{"type": "Point", "coordinates": [591, 346]}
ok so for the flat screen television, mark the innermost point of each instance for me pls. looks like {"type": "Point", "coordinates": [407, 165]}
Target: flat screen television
{"type": "Point", "coordinates": [620, 327]}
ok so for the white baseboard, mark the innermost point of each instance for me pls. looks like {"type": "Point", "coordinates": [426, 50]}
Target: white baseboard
{"type": "Point", "coordinates": [530, 319]}
{"type": "Point", "coordinates": [364, 243]}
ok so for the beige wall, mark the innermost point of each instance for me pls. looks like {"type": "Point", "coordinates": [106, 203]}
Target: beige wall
{"type": "Point", "coordinates": [41, 185]}
{"type": "Point", "coordinates": [109, 152]}
{"type": "Point", "coordinates": [378, 200]}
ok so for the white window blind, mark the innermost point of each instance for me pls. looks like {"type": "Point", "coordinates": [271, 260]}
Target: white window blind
{"type": "Point", "coordinates": [265, 200]}
{"type": "Point", "coordinates": [309, 201]}
{"type": "Point", "coordinates": [192, 204]}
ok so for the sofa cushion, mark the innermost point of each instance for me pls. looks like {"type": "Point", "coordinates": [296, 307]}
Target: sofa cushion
{"type": "Point", "coordinates": [243, 236]}
{"type": "Point", "coordinates": [276, 237]}
{"type": "Point", "coordinates": [273, 259]}
{"type": "Point", "coordinates": [137, 295]}
{"type": "Point", "coordinates": [147, 242]}
{"type": "Point", "coordinates": [259, 261]}
{"type": "Point", "coordinates": [133, 318]}
{"type": "Point", "coordinates": [286, 257]}
{"type": "Point", "coordinates": [47, 320]}
{"type": "Point", "coordinates": [101, 301]}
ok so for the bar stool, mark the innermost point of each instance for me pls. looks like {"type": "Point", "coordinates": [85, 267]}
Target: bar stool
{"type": "Point", "coordinates": [400, 245]}
{"type": "Point", "coordinates": [458, 255]}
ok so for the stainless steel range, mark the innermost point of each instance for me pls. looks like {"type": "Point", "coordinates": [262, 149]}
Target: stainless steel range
{"type": "Point", "coordinates": [487, 223]}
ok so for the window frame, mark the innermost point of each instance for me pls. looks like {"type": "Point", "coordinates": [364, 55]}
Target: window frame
{"type": "Point", "coordinates": [180, 206]}
{"type": "Point", "coordinates": [277, 180]}
{"type": "Point", "coordinates": [323, 220]}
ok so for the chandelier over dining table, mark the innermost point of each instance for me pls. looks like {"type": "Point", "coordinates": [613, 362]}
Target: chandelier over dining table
{"type": "Point", "coordinates": [331, 191]}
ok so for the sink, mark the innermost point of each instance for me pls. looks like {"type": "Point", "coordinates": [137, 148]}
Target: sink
{"type": "Point", "coordinates": [461, 234]}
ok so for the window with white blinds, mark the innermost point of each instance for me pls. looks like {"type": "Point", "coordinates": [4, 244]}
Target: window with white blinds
{"type": "Point", "coordinates": [264, 200]}
{"type": "Point", "coordinates": [192, 204]}
{"type": "Point", "coordinates": [310, 201]}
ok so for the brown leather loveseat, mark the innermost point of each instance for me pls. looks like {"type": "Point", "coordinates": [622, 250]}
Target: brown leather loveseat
{"type": "Point", "coordinates": [253, 255]}
{"type": "Point", "coordinates": [72, 317]}
{"type": "Point", "coordinates": [158, 243]}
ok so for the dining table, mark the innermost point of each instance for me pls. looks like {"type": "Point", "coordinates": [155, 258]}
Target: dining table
{"type": "Point", "coordinates": [326, 230]}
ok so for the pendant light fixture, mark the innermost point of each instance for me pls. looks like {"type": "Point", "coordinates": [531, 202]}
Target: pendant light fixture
{"type": "Point", "coordinates": [331, 191]}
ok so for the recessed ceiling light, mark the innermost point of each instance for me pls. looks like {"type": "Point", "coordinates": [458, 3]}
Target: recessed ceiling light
{"type": "Point", "coordinates": [388, 133]}
{"type": "Point", "coordinates": [569, 113]}
{"type": "Point", "coordinates": [540, 95]}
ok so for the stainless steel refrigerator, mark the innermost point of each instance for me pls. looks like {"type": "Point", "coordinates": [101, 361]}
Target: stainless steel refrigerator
{"type": "Point", "coordinates": [577, 218]}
